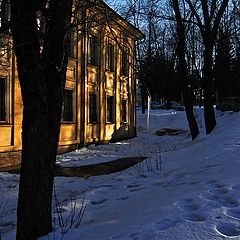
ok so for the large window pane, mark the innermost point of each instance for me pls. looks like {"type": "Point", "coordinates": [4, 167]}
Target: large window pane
{"type": "Point", "coordinates": [67, 115]}
{"type": "Point", "coordinates": [92, 54]}
{"type": "Point", "coordinates": [110, 109]}
{"type": "Point", "coordinates": [92, 108]}
{"type": "Point", "coordinates": [110, 57]}
{"type": "Point", "coordinates": [124, 67]}
{"type": "Point", "coordinates": [124, 111]}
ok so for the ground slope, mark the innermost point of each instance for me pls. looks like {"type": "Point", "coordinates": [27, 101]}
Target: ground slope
{"type": "Point", "coordinates": [185, 190]}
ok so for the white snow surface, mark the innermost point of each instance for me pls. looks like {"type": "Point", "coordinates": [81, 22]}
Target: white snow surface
{"type": "Point", "coordinates": [195, 194]}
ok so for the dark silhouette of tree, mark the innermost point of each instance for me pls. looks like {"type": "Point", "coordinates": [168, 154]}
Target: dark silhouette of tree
{"type": "Point", "coordinates": [223, 68]}
{"type": "Point", "coordinates": [236, 73]}
{"type": "Point", "coordinates": [41, 32]}
{"type": "Point", "coordinates": [212, 13]}
{"type": "Point", "coordinates": [41, 63]}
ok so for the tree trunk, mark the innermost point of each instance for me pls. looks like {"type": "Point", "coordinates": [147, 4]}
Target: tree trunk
{"type": "Point", "coordinates": [188, 104]}
{"type": "Point", "coordinates": [143, 98]}
{"type": "Point", "coordinates": [209, 115]}
{"type": "Point", "coordinates": [42, 78]}
{"type": "Point", "coordinates": [212, 14]}
{"type": "Point", "coordinates": [186, 88]}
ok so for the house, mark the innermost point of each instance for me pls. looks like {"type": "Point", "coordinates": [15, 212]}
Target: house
{"type": "Point", "coordinates": [99, 99]}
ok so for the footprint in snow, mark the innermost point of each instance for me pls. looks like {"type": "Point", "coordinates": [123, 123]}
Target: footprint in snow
{"type": "Point", "coordinates": [187, 204]}
{"type": "Point", "coordinates": [219, 191]}
{"type": "Point", "coordinates": [194, 182]}
{"type": "Point", "coordinates": [228, 229]}
{"type": "Point", "coordinates": [134, 236]}
{"type": "Point", "coordinates": [210, 166]}
{"type": "Point", "coordinates": [181, 176]}
{"type": "Point", "coordinates": [236, 187]}
{"type": "Point", "coordinates": [5, 227]}
{"type": "Point", "coordinates": [97, 202]}
{"type": "Point", "coordinates": [105, 186]}
{"type": "Point", "coordinates": [214, 184]}
{"type": "Point", "coordinates": [12, 186]}
{"type": "Point", "coordinates": [142, 235]}
{"type": "Point", "coordinates": [212, 181]}
{"type": "Point", "coordinates": [135, 187]}
{"type": "Point", "coordinates": [166, 223]}
{"type": "Point", "coordinates": [219, 185]}
{"type": "Point", "coordinates": [123, 198]}
{"type": "Point", "coordinates": [186, 200]}
{"type": "Point", "coordinates": [228, 201]}
{"type": "Point", "coordinates": [194, 217]}
{"type": "Point", "coordinates": [180, 184]}
{"type": "Point", "coordinates": [234, 213]}
{"type": "Point", "coordinates": [159, 183]}
{"type": "Point", "coordinates": [209, 196]}
{"type": "Point", "coordinates": [191, 210]}
{"type": "Point", "coordinates": [177, 177]}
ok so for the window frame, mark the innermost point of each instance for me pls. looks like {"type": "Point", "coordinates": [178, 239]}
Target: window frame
{"type": "Point", "coordinates": [110, 57]}
{"type": "Point", "coordinates": [92, 50]}
{"type": "Point", "coordinates": [5, 106]}
{"type": "Point", "coordinates": [110, 110]}
{"type": "Point", "coordinates": [124, 62]}
{"type": "Point", "coordinates": [124, 111]}
{"type": "Point", "coordinates": [66, 120]}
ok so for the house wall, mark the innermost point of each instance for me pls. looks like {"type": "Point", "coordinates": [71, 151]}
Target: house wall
{"type": "Point", "coordinates": [82, 78]}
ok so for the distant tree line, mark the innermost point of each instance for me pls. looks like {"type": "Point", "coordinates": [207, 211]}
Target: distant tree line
{"type": "Point", "coordinates": [191, 53]}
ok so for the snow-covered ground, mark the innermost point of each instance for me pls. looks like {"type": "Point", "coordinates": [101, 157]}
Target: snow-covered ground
{"type": "Point", "coordinates": [184, 190]}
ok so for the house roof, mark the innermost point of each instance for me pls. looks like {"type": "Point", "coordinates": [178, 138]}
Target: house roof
{"type": "Point", "coordinates": [117, 20]}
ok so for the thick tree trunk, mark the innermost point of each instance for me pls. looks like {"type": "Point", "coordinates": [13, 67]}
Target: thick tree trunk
{"type": "Point", "coordinates": [186, 89]}
{"type": "Point", "coordinates": [36, 181]}
{"type": "Point", "coordinates": [209, 115]}
{"type": "Point", "coordinates": [42, 80]}
{"type": "Point", "coordinates": [212, 14]}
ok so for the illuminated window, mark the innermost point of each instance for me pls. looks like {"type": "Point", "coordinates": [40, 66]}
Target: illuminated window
{"type": "Point", "coordinates": [92, 108]}
{"type": "Point", "coordinates": [124, 111]}
{"type": "Point", "coordinates": [110, 109]}
{"type": "Point", "coordinates": [67, 112]}
{"type": "Point", "coordinates": [92, 55]}
{"type": "Point", "coordinates": [124, 67]}
{"type": "Point", "coordinates": [110, 57]}
{"type": "Point", "coordinates": [3, 117]}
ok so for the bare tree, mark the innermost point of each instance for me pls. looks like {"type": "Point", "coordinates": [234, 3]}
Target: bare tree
{"type": "Point", "coordinates": [41, 33]}
{"type": "Point", "coordinates": [212, 13]}
{"type": "Point", "coordinates": [41, 63]}
{"type": "Point", "coordinates": [186, 85]}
